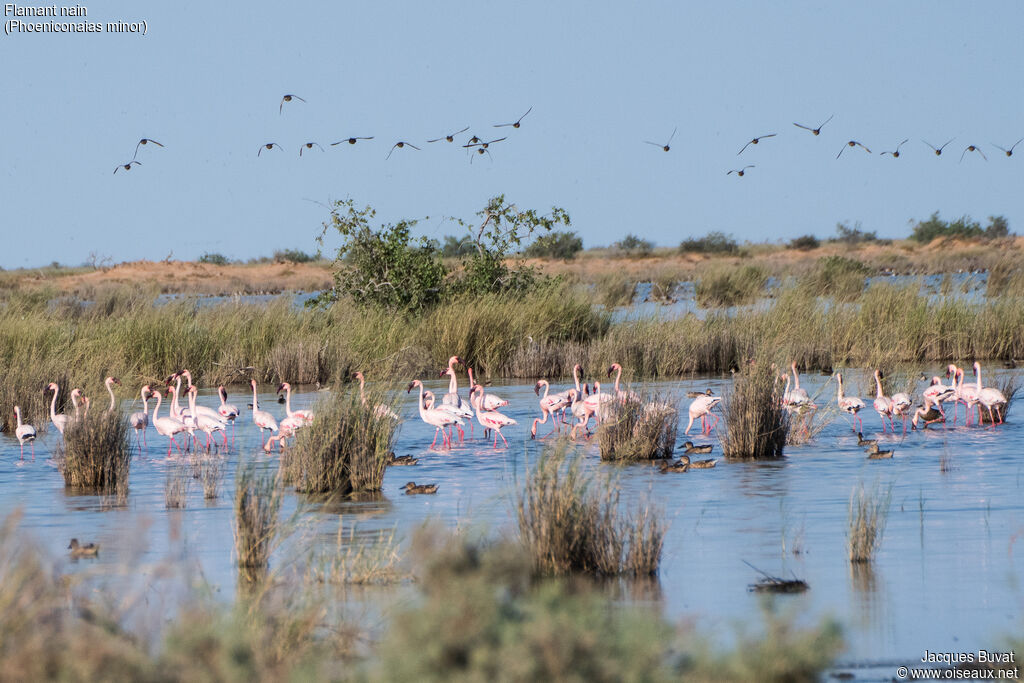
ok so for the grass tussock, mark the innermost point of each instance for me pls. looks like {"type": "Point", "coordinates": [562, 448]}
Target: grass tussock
{"type": "Point", "coordinates": [346, 448]}
{"type": "Point", "coordinates": [838, 277]}
{"type": "Point", "coordinates": [358, 560]}
{"type": "Point", "coordinates": [755, 424]}
{"type": "Point", "coordinates": [867, 517]}
{"type": "Point", "coordinates": [209, 470]}
{"type": "Point", "coordinates": [256, 523]}
{"type": "Point", "coordinates": [96, 452]}
{"type": "Point", "coordinates": [639, 428]}
{"type": "Point", "coordinates": [176, 485]}
{"type": "Point", "coordinates": [730, 286]}
{"type": "Point", "coordinates": [614, 290]}
{"type": "Point", "coordinates": [570, 523]}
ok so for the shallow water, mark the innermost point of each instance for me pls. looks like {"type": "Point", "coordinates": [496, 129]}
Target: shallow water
{"type": "Point", "coordinates": [947, 576]}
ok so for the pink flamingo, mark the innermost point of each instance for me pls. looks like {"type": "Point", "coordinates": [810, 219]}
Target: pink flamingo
{"type": "Point", "coordinates": [451, 401]}
{"type": "Point", "coordinates": [492, 419]}
{"type": "Point", "coordinates": [936, 393]}
{"type": "Point", "coordinates": [167, 426]}
{"type": "Point", "coordinates": [489, 401]}
{"type": "Point", "coordinates": [989, 397]}
{"type": "Point", "coordinates": [620, 394]}
{"type": "Point", "coordinates": [140, 420]}
{"type": "Point", "coordinates": [597, 405]}
{"type": "Point", "coordinates": [849, 404]}
{"type": "Point", "coordinates": [204, 422]}
{"type": "Point", "coordinates": [109, 383]}
{"type": "Point", "coordinates": [797, 397]}
{"type": "Point", "coordinates": [261, 418]}
{"type": "Point", "coordinates": [924, 411]}
{"type": "Point", "coordinates": [882, 403]}
{"type": "Point", "coordinates": [380, 410]}
{"type": "Point", "coordinates": [25, 432]}
{"type": "Point", "coordinates": [900, 404]}
{"type": "Point", "coordinates": [59, 421]}
{"type": "Point", "coordinates": [227, 411]}
{"type": "Point", "coordinates": [968, 395]}
{"type": "Point", "coordinates": [549, 405]}
{"type": "Point", "coordinates": [701, 407]}
{"type": "Point", "coordinates": [304, 416]}
{"type": "Point", "coordinates": [182, 416]}
{"type": "Point", "coordinates": [439, 419]}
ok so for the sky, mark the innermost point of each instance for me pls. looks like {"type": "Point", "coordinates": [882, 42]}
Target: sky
{"type": "Point", "coordinates": [207, 79]}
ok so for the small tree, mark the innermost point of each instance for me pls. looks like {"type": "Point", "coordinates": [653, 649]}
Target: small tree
{"type": "Point", "coordinates": [556, 245]}
{"type": "Point", "coordinates": [854, 235]}
{"type": "Point", "coordinates": [713, 243]}
{"type": "Point", "coordinates": [804, 242]}
{"type": "Point", "coordinates": [634, 246]}
{"type": "Point", "coordinates": [214, 259]}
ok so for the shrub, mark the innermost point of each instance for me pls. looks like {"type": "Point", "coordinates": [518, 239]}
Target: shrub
{"type": "Point", "coordinates": [97, 452]}
{"type": "Point", "coordinates": [214, 259]}
{"type": "Point", "coordinates": [755, 424]}
{"type": "Point", "coordinates": [633, 246]}
{"type": "Point", "coordinates": [712, 243]}
{"type": "Point", "coordinates": [556, 245]}
{"type": "Point", "coordinates": [292, 256]}
{"type": "Point", "coordinates": [638, 429]}
{"type": "Point", "coordinates": [804, 242]}
{"type": "Point", "coordinates": [730, 285]}
{"type": "Point", "coordinates": [961, 228]}
{"type": "Point", "coordinates": [867, 516]}
{"type": "Point", "coordinates": [854, 235]}
{"type": "Point", "coordinates": [837, 276]}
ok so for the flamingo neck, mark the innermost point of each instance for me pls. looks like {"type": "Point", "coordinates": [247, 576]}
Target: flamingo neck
{"type": "Point", "coordinates": [423, 411]}
{"type": "Point", "coordinates": [157, 409]}
{"type": "Point", "coordinates": [110, 390]}
{"type": "Point", "coordinates": [53, 403]}
{"type": "Point", "coordinates": [878, 386]}
{"type": "Point", "coordinates": [840, 378]}
{"type": "Point", "coordinates": [192, 403]}
{"type": "Point", "coordinates": [547, 388]}
{"type": "Point", "coordinates": [576, 377]}
{"type": "Point", "coordinates": [17, 413]}
{"type": "Point", "coordinates": [977, 369]}
{"type": "Point", "coordinates": [453, 384]}
{"type": "Point", "coordinates": [145, 403]}
{"type": "Point", "coordinates": [362, 396]}
{"type": "Point", "coordinates": [255, 405]}
{"type": "Point", "coordinates": [288, 400]}
{"type": "Point", "coordinates": [796, 377]}
{"type": "Point", "coordinates": [618, 374]}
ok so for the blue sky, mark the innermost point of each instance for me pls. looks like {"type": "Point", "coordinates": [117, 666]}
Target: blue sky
{"type": "Point", "coordinates": [601, 77]}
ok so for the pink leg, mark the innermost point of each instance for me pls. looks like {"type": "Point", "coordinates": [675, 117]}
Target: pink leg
{"type": "Point", "coordinates": [432, 443]}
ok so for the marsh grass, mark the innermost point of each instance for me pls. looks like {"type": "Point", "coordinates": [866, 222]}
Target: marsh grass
{"type": "Point", "coordinates": [346, 448]}
{"type": "Point", "coordinates": [1005, 278]}
{"type": "Point", "coordinates": [614, 290]}
{"type": "Point", "coordinates": [868, 513]}
{"type": "Point", "coordinates": [256, 521]}
{"type": "Point", "coordinates": [639, 428]}
{"type": "Point", "coordinates": [96, 452]}
{"type": "Point", "coordinates": [730, 285]}
{"type": "Point", "coordinates": [358, 560]}
{"type": "Point", "coordinates": [755, 425]}
{"type": "Point", "coordinates": [570, 523]}
{"type": "Point", "coordinates": [806, 425]}
{"type": "Point", "coordinates": [838, 277]}
{"type": "Point", "coordinates": [209, 470]}
{"type": "Point", "coordinates": [176, 485]}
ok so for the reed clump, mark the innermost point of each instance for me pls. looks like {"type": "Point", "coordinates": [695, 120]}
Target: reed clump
{"type": "Point", "coordinates": [730, 285]}
{"type": "Point", "coordinates": [256, 523]}
{"type": "Point", "coordinates": [570, 523]}
{"type": "Point", "coordinates": [346, 448]}
{"type": "Point", "coordinates": [838, 277]}
{"type": "Point", "coordinates": [209, 470]}
{"type": "Point", "coordinates": [638, 428]}
{"type": "Point", "coordinates": [176, 485]}
{"type": "Point", "coordinates": [614, 290]}
{"type": "Point", "coordinates": [1009, 388]}
{"type": "Point", "coordinates": [96, 452]}
{"type": "Point", "coordinates": [360, 560]}
{"type": "Point", "coordinates": [755, 425]}
{"type": "Point", "coordinates": [867, 516]}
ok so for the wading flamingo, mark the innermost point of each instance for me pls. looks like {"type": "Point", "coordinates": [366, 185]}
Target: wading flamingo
{"type": "Point", "coordinates": [798, 397]}
{"type": "Point", "coordinates": [489, 401]}
{"type": "Point", "coordinates": [211, 413]}
{"type": "Point", "coordinates": [492, 419]}
{"type": "Point", "coordinates": [849, 404]}
{"type": "Point", "coordinates": [596, 404]}
{"type": "Point", "coordinates": [25, 432]}
{"type": "Point", "coordinates": [901, 403]}
{"type": "Point", "coordinates": [380, 410]}
{"type": "Point", "coordinates": [549, 405]}
{"type": "Point", "coordinates": [109, 383]}
{"type": "Point", "coordinates": [167, 426]}
{"type": "Point", "coordinates": [882, 403]}
{"type": "Point", "coordinates": [930, 412]}
{"type": "Point", "coordinates": [261, 418]}
{"type": "Point", "coordinates": [968, 395]}
{"type": "Point", "coordinates": [140, 420]}
{"type": "Point", "coordinates": [180, 415]}
{"type": "Point", "coordinates": [227, 411]}
{"type": "Point", "coordinates": [303, 416]}
{"type": "Point", "coordinates": [621, 394]}
{"type": "Point", "coordinates": [938, 392]}
{"type": "Point", "coordinates": [452, 400]}
{"type": "Point", "coordinates": [205, 422]}
{"type": "Point", "coordinates": [701, 407]}
{"type": "Point", "coordinates": [59, 421]}
{"type": "Point", "coordinates": [989, 397]}
{"type": "Point", "coordinates": [439, 419]}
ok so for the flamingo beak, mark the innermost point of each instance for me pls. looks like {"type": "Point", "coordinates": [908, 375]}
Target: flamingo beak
{"type": "Point", "coordinates": [409, 388]}
{"type": "Point", "coordinates": [280, 388]}
{"type": "Point", "coordinates": [536, 388]}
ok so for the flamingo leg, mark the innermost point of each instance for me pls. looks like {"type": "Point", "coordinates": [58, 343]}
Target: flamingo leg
{"type": "Point", "coordinates": [432, 443]}
{"type": "Point", "coordinates": [717, 418]}
{"type": "Point", "coordinates": [503, 438]}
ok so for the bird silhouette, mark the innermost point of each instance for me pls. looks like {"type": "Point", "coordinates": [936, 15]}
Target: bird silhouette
{"type": "Point", "coordinates": [665, 147]}
{"type": "Point", "coordinates": [483, 145]}
{"type": "Point", "coordinates": [482, 150]}
{"type": "Point", "coordinates": [896, 152]}
{"type": "Point", "coordinates": [972, 148]}
{"type": "Point", "coordinates": [755, 141]}
{"type": "Point", "coordinates": [938, 150]}
{"type": "Point", "coordinates": [1009, 152]}
{"type": "Point", "coordinates": [309, 145]}
{"type": "Point", "coordinates": [852, 143]}
{"type": "Point", "coordinates": [350, 141]}
{"type": "Point", "coordinates": [816, 131]}
{"type": "Point", "coordinates": [268, 145]}
{"type": "Point", "coordinates": [288, 98]}
{"type": "Point", "coordinates": [399, 145]}
{"type": "Point", "coordinates": [739, 172]}
{"type": "Point", "coordinates": [450, 137]}
{"type": "Point", "coordinates": [127, 166]}
{"type": "Point", "coordinates": [144, 141]}
{"type": "Point", "coordinates": [516, 124]}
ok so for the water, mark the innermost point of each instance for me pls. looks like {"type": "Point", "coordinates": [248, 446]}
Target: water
{"type": "Point", "coordinates": [947, 576]}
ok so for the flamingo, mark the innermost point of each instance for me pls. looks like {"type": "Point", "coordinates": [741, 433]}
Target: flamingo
{"type": "Point", "coordinates": [86, 401]}
{"type": "Point", "coordinates": [968, 394]}
{"type": "Point", "coordinates": [901, 402]}
{"type": "Point", "coordinates": [261, 418]}
{"type": "Point", "coordinates": [167, 426]}
{"type": "Point", "coordinates": [953, 371]}
{"type": "Point", "coordinates": [849, 404]}
{"type": "Point", "coordinates": [455, 404]}
{"type": "Point", "coordinates": [180, 415]}
{"type": "Point", "coordinates": [882, 403]}
{"type": "Point", "coordinates": [489, 401]}
{"type": "Point", "coordinates": [25, 432]}
{"type": "Point", "coordinates": [989, 397]}
{"type": "Point", "coordinates": [798, 397]}
{"type": "Point", "coordinates": [59, 421]}
{"type": "Point", "coordinates": [227, 411]}
{"type": "Point", "coordinates": [701, 407]}
{"type": "Point", "coordinates": [549, 405]}
{"type": "Point", "coordinates": [213, 414]}
{"type": "Point", "coordinates": [938, 392]}
{"type": "Point", "coordinates": [492, 419]}
{"type": "Point", "coordinates": [109, 383]}
{"type": "Point", "coordinates": [439, 419]}
{"type": "Point", "coordinates": [619, 393]}
{"type": "Point", "coordinates": [596, 405]}
{"type": "Point", "coordinates": [928, 409]}
{"type": "Point", "coordinates": [205, 422]}
{"type": "Point", "coordinates": [380, 410]}
{"type": "Point", "coordinates": [140, 420]}
{"type": "Point", "coordinates": [305, 417]}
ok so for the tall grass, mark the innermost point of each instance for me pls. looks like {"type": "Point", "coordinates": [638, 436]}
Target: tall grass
{"type": "Point", "coordinates": [755, 424]}
{"type": "Point", "coordinates": [867, 516]}
{"type": "Point", "coordinates": [176, 484]}
{"type": "Point", "coordinates": [569, 523]}
{"type": "Point", "coordinates": [255, 524]}
{"type": "Point", "coordinates": [346, 448]}
{"type": "Point", "coordinates": [614, 290]}
{"type": "Point", "coordinates": [730, 286]}
{"type": "Point", "coordinates": [96, 452]}
{"type": "Point", "coordinates": [639, 428]}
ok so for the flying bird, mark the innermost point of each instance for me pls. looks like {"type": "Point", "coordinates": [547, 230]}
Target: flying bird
{"type": "Point", "coordinates": [288, 98]}
{"type": "Point", "coordinates": [127, 166]}
{"type": "Point", "coordinates": [350, 141]}
{"type": "Point", "coordinates": [852, 143]}
{"type": "Point", "coordinates": [268, 145]}
{"type": "Point", "coordinates": [896, 152]}
{"type": "Point", "coordinates": [450, 137]}
{"type": "Point", "coordinates": [144, 141]}
{"type": "Point", "coordinates": [816, 131]}
{"type": "Point", "coordinates": [665, 147]}
{"type": "Point", "coordinates": [483, 145]}
{"type": "Point", "coordinates": [755, 141]}
{"type": "Point", "coordinates": [309, 145]}
{"type": "Point", "coordinates": [483, 150]}
{"type": "Point", "coordinates": [740, 172]}
{"type": "Point", "coordinates": [972, 148]}
{"type": "Point", "coordinates": [473, 140]}
{"type": "Point", "coordinates": [399, 145]}
{"type": "Point", "coordinates": [516, 124]}
{"type": "Point", "coordinates": [1009, 152]}
{"type": "Point", "coordinates": [938, 150]}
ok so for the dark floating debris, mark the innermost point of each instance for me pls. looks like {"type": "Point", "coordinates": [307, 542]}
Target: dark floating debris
{"type": "Point", "coordinates": [775, 584]}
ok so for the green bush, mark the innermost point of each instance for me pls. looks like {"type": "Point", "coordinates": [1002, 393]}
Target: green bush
{"type": "Point", "coordinates": [854, 235]}
{"type": "Point", "coordinates": [453, 246]}
{"type": "Point", "coordinates": [961, 228]}
{"type": "Point", "coordinates": [631, 245]}
{"type": "Point", "coordinates": [214, 259]}
{"type": "Point", "coordinates": [804, 242]}
{"type": "Point", "coordinates": [712, 243]}
{"type": "Point", "coordinates": [292, 256]}
{"type": "Point", "coordinates": [556, 245]}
